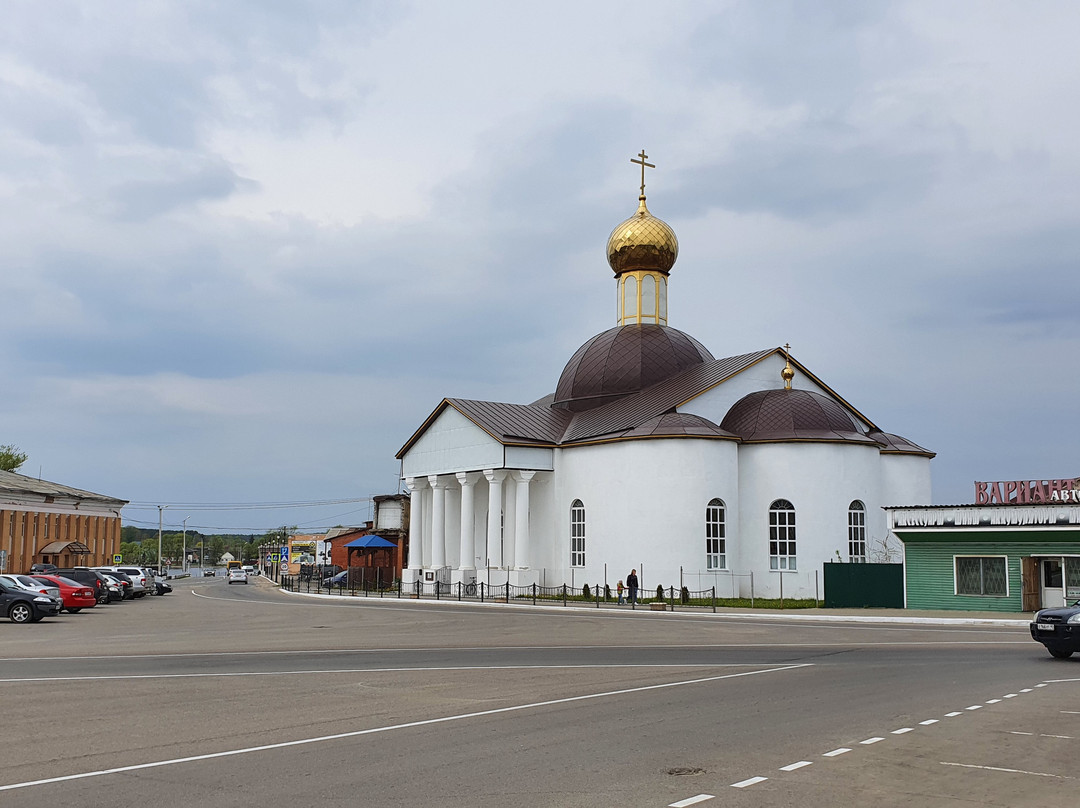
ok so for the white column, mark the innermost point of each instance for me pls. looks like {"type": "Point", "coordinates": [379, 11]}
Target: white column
{"type": "Point", "coordinates": [509, 520]}
{"type": "Point", "coordinates": [438, 521]}
{"type": "Point", "coordinates": [495, 479]}
{"type": "Point", "coordinates": [416, 521]}
{"type": "Point", "coordinates": [521, 529]}
{"type": "Point", "coordinates": [468, 531]}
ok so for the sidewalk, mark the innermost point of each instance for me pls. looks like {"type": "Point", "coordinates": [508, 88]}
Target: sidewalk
{"type": "Point", "coordinates": [821, 615]}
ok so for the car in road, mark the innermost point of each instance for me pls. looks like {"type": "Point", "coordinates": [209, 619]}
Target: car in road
{"type": "Point", "coordinates": [237, 576]}
{"type": "Point", "coordinates": [23, 606]}
{"type": "Point", "coordinates": [209, 572]}
{"type": "Point", "coordinates": [1058, 630]}
{"type": "Point", "coordinates": [74, 595]}
{"type": "Point", "coordinates": [161, 586]}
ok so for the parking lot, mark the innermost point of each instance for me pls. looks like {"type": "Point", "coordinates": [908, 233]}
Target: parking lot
{"type": "Point", "coordinates": [230, 695]}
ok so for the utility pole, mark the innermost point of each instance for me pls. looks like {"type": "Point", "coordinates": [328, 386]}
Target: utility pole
{"type": "Point", "coordinates": [160, 511]}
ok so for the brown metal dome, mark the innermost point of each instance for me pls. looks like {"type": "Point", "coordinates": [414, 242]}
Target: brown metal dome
{"type": "Point", "coordinates": [624, 360]}
{"type": "Point", "coordinates": [784, 415]}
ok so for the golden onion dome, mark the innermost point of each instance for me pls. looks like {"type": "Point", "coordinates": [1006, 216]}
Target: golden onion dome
{"type": "Point", "coordinates": [642, 242]}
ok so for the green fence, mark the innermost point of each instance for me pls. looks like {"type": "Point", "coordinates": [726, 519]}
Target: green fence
{"type": "Point", "coordinates": [856, 586]}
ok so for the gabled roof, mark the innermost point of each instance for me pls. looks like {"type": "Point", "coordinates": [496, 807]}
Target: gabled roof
{"type": "Point", "coordinates": [649, 413]}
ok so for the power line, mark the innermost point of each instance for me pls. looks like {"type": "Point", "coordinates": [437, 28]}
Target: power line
{"type": "Point", "coordinates": [244, 506]}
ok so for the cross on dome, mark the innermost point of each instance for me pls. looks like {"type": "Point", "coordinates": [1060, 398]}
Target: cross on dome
{"type": "Point", "coordinates": [641, 162]}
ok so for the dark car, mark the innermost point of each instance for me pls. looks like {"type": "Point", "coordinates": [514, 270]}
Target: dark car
{"type": "Point", "coordinates": [43, 569]}
{"type": "Point", "coordinates": [94, 580]}
{"type": "Point", "coordinates": [1058, 630]}
{"type": "Point", "coordinates": [24, 606]}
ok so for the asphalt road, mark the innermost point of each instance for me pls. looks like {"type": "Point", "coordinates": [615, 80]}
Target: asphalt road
{"type": "Point", "coordinates": [223, 695]}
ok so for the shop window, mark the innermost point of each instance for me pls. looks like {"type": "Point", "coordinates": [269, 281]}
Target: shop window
{"type": "Point", "coordinates": [981, 575]}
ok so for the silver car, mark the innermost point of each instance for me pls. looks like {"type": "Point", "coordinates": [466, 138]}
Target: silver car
{"type": "Point", "coordinates": [32, 585]}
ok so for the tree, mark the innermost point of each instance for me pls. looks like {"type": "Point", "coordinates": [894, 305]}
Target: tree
{"type": "Point", "coordinates": [11, 458]}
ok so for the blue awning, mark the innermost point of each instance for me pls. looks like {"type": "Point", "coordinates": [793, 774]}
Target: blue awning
{"type": "Point", "coordinates": [370, 541]}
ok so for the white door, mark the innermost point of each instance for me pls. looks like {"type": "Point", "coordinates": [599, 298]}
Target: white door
{"type": "Point", "coordinates": [1053, 590]}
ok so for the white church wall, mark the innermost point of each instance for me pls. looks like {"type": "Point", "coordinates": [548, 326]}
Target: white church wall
{"type": "Point", "coordinates": [452, 443]}
{"type": "Point", "coordinates": [528, 457]}
{"type": "Point", "coordinates": [650, 515]}
{"type": "Point", "coordinates": [820, 480]}
{"type": "Point", "coordinates": [906, 480]}
{"type": "Point", "coordinates": [765, 375]}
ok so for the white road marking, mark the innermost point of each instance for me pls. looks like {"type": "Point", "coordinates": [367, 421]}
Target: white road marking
{"type": "Point", "coordinates": [974, 707]}
{"type": "Point", "coordinates": [1062, 737]}
{"type": "Point", "coordinates": [692, 800]}
{"type": "Point", "coordinates": [1071, 712]}
{"type": "Point", "coordinates": [392, 727]}
{"type": "Point", "coordinates": [928, 722]}
{"type": "Point", "coordinates": [1014, 732]}
{"type": "Point", "coordinates": [1010, 695]}
{"type": "Point", "coordinates": [1026, 690]}
{"type": "Point", "coordinates": [835, 752]}
{"type": "Point", "coordinates": [752, 781]}
{"type": "Point", "coordinates": [793, 766]}
{"type": "Point", "coordinates": [902, 730]}
{"type": "Point", "coordinates": [993, 701]}
{"type": "Point", "coordinates": [1011, 771]}
{"type": "Point", "coordinates": [952, 715]}
{"type": "Point", "coordinates": [1041, 684]}
{"type": "Point", "coordinates": [314, 672]}
{"type": "Point", "coordinates": [869, 741]}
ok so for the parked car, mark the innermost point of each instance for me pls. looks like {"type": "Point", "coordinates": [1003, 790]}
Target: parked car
{"type": "Point", "coordinates": [23, 606]}
{"type": "Point", "coordinates": [74, 595]}
{"type": "Point", "coordinates": [115, 587]}
{"type": "Point", "coordinates": [92, 578]}
{"type": "Point", "coordinates": [209, 572]}
{"type": "Point", "coordinates": [138, 578]}
{"type": "Point", "coordinates": [237, 576]}
{"type": "Point", "coordinates": [162, 587]}
{"type": "Point", "coordinates": [1058, 630]}
{"type": "Point", "coordinates": [46, 569]}
{"type": "Point", "coordinates": [340, 579]}
{"type": "Point", "coordinates": [32, 584]}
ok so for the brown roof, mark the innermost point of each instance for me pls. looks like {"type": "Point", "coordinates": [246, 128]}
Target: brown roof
{"type": "Point", "coordinates": [625, 360]}
{"type": "Point", "coordinates": [779, 414]}
{"type": "Point", "coordinates": [652, 413]}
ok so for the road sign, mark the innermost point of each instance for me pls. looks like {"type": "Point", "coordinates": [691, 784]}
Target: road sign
{"type": "Point", "coordinates": [275, 558]}
{"type": "Point", "coordinates": [117, 559]}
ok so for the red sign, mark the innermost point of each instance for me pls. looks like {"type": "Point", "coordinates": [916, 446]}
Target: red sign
{"type": "Point", "coordinates": [1023, 492]}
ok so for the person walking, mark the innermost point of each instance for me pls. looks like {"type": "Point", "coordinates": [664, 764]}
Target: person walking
{"type": "Point", "coordinates": [632, 585]}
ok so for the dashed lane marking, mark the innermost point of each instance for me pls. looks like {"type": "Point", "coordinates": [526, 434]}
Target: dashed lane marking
{"type": "Point", "coordinates": [692, 800]}
{"type": "Point", "coordinates": [928, 722]}
{"type": "Point", "coordinates": [902, 730]}
{"type": "Point", "coordinates": [952, 715]}
{"type": "Point", "coordinates": [993, 701]}
{"type": "Point", "coordinates": [793, 766]}
{"type": "Point", "coordinates": [1010, 771]}
{"type": "Point", "coordinates": [752, 781]}
{"type": "Point", "coordinates": [869, 741]}
{"type": "Point", "coordinates": [974, 707]}
{"type": "Point", "coordinates": [842, 750]}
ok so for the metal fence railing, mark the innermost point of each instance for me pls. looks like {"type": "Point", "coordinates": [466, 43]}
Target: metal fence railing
{"type": "Point", "coordinates": [666, 598]}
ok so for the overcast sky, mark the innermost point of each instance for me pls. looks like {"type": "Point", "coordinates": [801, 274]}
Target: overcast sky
{"type": "Point", "coordinates": [247, 247]}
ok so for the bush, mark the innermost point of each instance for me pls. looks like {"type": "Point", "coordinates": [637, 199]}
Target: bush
{"type": "Point", "coordinates": [585, 592]}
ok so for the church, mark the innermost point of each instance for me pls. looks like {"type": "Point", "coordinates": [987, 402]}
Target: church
{"type": "Point", "coordinates": [746, 473]}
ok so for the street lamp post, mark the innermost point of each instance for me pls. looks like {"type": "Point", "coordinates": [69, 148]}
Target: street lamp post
{"type": "Point", "coordinates": [184, 566]}
{"type": "Point", "coordinates": [160, 511]}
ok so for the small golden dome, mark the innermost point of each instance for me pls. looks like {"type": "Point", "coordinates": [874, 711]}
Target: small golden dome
{"type": "Point", "coordinates": [642, 242]}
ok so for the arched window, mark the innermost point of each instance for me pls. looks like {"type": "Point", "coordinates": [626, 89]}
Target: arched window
{"type": "Point", "coordinates": [630, 304]}
{"type": "Point", "coordinates": [856, 532]}
{"type": "Point", "coordinates": [781, 535]}
{"type": "Point", "coordinates": [648, 299]}
{"type": "Point", "coordinates": [577, 534]}
{"type": "Point", "coordinates": [715, 538]}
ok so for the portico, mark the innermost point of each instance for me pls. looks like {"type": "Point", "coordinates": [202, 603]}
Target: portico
{"type": "Point", "coordinates": [468, 523]}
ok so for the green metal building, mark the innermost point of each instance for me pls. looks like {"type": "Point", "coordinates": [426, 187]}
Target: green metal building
{"type": "Point", "coordinates": [992, 557]}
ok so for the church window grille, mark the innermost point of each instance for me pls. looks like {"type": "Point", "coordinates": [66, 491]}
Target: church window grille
{"type": "Point", "coordinates": [782, 535]}
{"type": "Point", "coordinates": [715, 536]}
{"type": "Point", "coordinates": [856, 532]}
{"type": "Point", "coordinates": [577, 534]}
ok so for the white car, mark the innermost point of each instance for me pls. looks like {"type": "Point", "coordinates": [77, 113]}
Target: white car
{"type": "Point", "coordinates": [237, 576]}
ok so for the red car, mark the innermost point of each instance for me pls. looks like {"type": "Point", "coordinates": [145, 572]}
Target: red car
{"type": "Point", "coordinates": [76, 596]}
